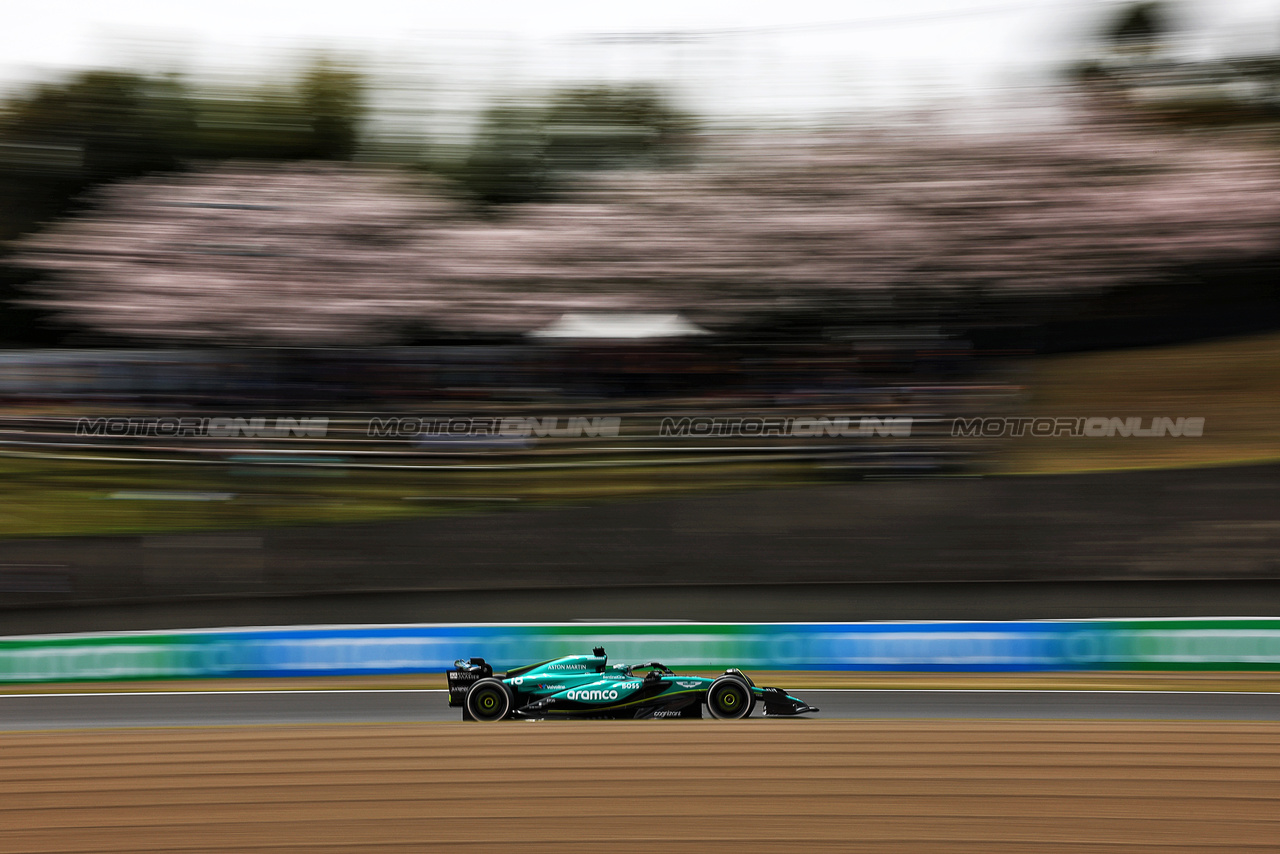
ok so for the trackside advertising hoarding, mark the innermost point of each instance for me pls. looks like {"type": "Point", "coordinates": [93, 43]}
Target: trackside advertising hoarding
{"type": "Point", "coordinates": [1175, 644]}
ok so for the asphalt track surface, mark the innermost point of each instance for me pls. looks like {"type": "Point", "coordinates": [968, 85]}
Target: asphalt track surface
{"type": "Point", "coordinates": [254, 708]}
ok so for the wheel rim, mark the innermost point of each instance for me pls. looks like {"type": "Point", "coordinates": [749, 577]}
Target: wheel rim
{"type": "Point", "coordinates": [488, 704]}
{"type": "Point", "coordinates": [730, 700]}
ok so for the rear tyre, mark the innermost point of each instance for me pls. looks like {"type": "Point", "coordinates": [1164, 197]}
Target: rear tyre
{"type": "Point", "coordinates": [729, 698]}
{"type": "Point", "coordinates": [488, 700]}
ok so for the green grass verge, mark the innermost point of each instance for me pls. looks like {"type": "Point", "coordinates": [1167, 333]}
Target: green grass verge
{"type": "Point", "coordinates": [61, 497]}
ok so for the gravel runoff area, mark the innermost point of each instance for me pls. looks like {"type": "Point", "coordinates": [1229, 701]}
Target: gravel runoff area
{"type": "Point", "coordinates": [977, 787]}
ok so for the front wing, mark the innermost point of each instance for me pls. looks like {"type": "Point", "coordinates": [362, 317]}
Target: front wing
{"type": "Point", "coordinates": [778, 703]}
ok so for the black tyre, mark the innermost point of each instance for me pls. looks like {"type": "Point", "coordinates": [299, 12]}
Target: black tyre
{"type": "Point", "coordinates": [733, 671]}
{"type": "Point", "coordinates": [729, 698]}
{"type": "Point", "coordinates": [488, 700]}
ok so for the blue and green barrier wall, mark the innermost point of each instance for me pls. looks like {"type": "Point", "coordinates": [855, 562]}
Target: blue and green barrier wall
{"type": "Point", "coordinates": [1164, 644]}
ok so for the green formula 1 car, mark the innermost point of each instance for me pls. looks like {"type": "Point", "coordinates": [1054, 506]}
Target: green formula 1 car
{"type": "Point", "coordinates": [581, 686]}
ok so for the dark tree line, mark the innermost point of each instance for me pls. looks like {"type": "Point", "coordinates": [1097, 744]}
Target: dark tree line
{"type": "Point", "coordinates": [526, 151]}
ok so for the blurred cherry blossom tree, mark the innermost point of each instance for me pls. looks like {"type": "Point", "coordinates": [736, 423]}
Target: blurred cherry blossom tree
{"type": "Point", "coordinates": [326, 254]}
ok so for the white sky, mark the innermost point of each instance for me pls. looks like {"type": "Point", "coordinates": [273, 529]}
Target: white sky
{"type": "Point", "coordinates": [76, 32]}
{"type": "Point", "coordinates": [808, 54]}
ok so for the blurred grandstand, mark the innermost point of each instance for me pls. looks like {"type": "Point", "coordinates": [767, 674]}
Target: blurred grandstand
{"type": "Point", "coordinates": [51, 393]}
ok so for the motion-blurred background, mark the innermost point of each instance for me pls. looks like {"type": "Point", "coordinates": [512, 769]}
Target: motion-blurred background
{"type": "Point", "coordinates": [410, 313]}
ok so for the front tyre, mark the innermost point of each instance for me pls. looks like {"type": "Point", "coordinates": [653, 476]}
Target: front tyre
{"type": "Point", "coordinates": [488, 700]}
{"type": "Point", "coordinates": [729, 699]}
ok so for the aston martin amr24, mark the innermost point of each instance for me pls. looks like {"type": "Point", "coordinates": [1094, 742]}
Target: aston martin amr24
{"type": "Point", "coordinates": [584, 686]}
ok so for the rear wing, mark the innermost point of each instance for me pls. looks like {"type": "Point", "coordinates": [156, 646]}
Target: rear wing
{"type": "Point", "coordinates": [465, 673]}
